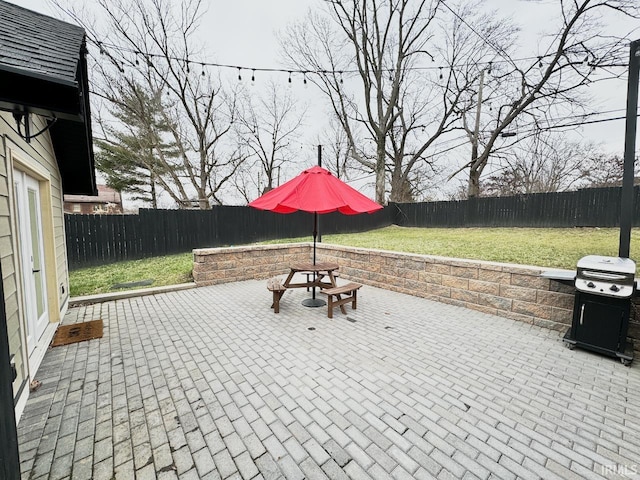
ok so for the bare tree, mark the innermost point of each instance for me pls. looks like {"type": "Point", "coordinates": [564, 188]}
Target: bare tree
{"type": "Point", "coordinates": [384, 39]}
{"type": "Point", "coordinates": [605, 170]}
{"type": "Point", "coordinates": [150, 43]}
{"type": "Point", "coordinates": [544, 163]}
{"type": "Point", "coordinates": [267, 128]}
{"type": "Point", "coordinates": [335, 151]}
{"type": "Point", "coordinates": [430, 107]}
{"type": "Point", "coordinates": [533, 91]}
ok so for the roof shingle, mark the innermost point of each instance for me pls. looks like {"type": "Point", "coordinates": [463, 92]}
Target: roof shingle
{"type": "Point", "coordinates": [38, 45]}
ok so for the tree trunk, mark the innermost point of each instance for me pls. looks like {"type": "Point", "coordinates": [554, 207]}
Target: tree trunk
{"type": "Point", "coordinates": [475, 170]}
{"type": "Point", "coordinates": [400, 188]}
{"type": "Point", "coordinates": [154, 195]}
{"type": "Point", "coordinates": [380, 173]}
{"type": "Point", "coordinates": [474, 183]}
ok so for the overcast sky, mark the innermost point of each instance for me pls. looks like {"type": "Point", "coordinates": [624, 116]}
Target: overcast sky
{"type": "Point", "coordinates": [242, 32]}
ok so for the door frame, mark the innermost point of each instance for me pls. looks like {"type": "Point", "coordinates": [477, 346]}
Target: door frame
{"type": "Point", "coordinates": [36, 320]}
{"type": "Point", "coordinates": [20, 160]}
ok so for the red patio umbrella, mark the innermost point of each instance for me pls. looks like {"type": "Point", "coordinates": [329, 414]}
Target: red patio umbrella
{"type": "Point", "coordinates": [316, 190]}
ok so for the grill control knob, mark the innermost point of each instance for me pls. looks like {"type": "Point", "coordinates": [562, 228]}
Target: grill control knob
{"type": "Point", "coordinates": [591, 285]}
{"type": "Point", "coordinates": [614, 288]}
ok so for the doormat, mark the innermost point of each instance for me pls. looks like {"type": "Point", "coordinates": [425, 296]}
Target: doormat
{"type": "Point", "coordinates": [78, 332]}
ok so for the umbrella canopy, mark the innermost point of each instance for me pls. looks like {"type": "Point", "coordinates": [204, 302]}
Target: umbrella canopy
{"type": "Point", "coordinates": [315, 190]}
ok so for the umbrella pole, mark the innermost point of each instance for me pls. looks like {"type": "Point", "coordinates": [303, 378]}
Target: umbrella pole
{"type": "Point", "coordinates": [313, 301]}
{"type": "Point", "coordinates": [315, 236]}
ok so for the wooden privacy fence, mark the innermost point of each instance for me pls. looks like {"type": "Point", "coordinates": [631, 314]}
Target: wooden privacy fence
{"type": "Point", "coordinates": [589, 207]}
{"type": "Point", "coordinates": [98, 239]}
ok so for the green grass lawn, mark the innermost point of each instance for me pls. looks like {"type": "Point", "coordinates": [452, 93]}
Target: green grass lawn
{"type": "Point", "coordinates": [168, 270]}
{"type": "Point", "coordinates": [545, 247]}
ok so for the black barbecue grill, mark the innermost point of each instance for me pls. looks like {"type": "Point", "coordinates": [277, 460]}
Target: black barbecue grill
{"type": "Point", "coordinates": [604, 287]}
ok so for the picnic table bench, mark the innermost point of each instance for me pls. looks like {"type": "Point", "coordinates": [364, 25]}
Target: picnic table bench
{"type": "Point", "coordinates": [350, 289]}
{"type": "Point", "coordinates": [274, 285]}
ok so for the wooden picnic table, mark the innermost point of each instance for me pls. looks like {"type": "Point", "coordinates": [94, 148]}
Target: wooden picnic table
{"type": "Point", "coordinates": [317, 278]}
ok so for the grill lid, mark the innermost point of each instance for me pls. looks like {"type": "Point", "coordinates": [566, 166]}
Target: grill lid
{"type": "Point", "coordinates": [607, 276]}
{"type": "Point", "coordinates": [607, 264]}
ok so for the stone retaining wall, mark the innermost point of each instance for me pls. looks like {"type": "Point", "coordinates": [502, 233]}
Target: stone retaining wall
{"type": "Point", "coordinates": [513, 291]}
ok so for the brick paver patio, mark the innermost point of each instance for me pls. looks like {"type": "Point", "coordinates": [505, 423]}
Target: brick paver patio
{"type": "Point", "coordinates": [208, 383]}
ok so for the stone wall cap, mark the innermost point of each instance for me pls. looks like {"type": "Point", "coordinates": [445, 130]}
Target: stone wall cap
{"type": "Point", "coordinates": [246, 248]}
{"type": "Point", "coordinates": [454, 261]}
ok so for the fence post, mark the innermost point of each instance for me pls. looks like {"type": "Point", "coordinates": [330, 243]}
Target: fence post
{"type": "Point", "coordinates": [626, 196]}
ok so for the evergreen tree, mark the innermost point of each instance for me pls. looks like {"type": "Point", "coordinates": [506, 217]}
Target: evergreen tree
{"type": "Point", "coordinates": [135, 158]}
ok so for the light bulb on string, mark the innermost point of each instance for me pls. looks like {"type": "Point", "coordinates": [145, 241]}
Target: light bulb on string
{"type": "Point", "coordinates": [540, 62]}
{"type": "Point", "coordinates": [441, 76]}
{"type": "Point", "coordinates": [239, 74]}
{"type": "Point", "coordinates": [289, 76]}
{"type": "Point", "coordinates": [137, 60]}
{"type": "Point", "coordinates": [253, 75]}
{"type": "Point", "coordinates": [203, 69]}
{"type": "Point", "coordinates": [489, 69]}
{"type": "Point", "coordinates": [341, 80]}
{"type": "Point", "coordinates": [304, 78]}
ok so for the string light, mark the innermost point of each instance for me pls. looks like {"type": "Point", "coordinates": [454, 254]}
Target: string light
{"type": "Point", "coordinates": [289, 76]}
{"type": "Point", "coordinates": [253, 75]}
{"type": "Point", "coordinates": [149, 56]}
{"type": "Point", "coordinates": [304, 78]}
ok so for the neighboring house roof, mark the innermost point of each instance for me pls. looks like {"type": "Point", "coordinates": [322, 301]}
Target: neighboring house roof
{"type": "Point", "coordinates": [105, 195]}
{"type": "Point", "coordinates": [43, 70]}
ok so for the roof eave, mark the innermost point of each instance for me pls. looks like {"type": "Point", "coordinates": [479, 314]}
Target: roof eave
{"type": "Point", "coordinates": [25, 72]}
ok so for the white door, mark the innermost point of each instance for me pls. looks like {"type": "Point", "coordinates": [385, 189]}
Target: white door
{"type": "Point", "coordinates": [31, 249]}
